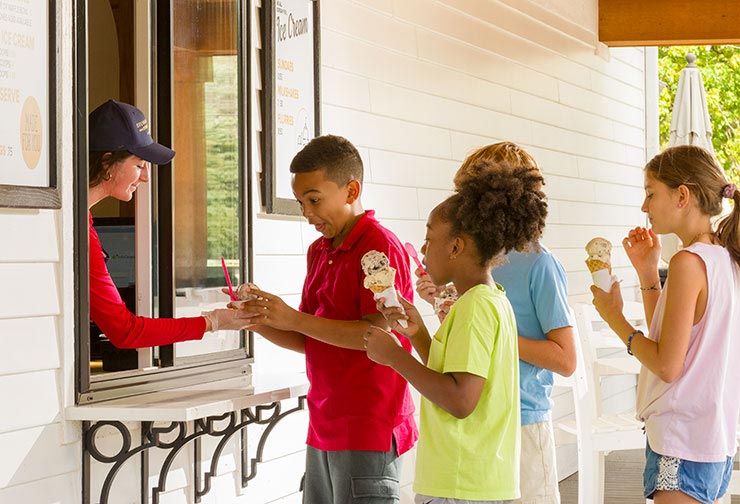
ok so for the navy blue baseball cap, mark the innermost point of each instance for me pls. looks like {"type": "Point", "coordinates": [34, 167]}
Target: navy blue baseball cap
{"type": "Point", "coordinates": [116, 126]}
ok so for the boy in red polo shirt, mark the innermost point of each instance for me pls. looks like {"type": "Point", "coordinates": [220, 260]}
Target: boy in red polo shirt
{"type": "Point", "coordinates": [360, 413]}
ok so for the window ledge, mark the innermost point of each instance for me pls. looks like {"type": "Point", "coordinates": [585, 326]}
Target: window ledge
{"type": "Point", "coordinates": [192, 403]}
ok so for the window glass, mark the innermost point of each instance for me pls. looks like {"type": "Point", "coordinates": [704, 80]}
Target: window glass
{"type": "Point", "coordinates": [206, 168]}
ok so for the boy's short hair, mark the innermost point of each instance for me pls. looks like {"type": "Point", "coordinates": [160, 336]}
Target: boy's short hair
{"type": "Point", "coordinates": [334, 154]}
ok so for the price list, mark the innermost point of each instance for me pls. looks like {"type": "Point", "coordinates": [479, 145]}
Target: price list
{"type": "Point", "coordinates": [24, 103]}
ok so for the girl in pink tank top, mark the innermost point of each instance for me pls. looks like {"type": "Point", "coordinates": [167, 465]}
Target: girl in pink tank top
{"type": "Point", "coordinates": [687, 391]}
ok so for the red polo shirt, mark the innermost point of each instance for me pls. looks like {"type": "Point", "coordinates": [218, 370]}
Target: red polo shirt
{"type": "Point", "coordinates": [354, 403]}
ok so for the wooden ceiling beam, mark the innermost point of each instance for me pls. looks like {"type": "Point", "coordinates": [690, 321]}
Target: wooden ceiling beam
{"type": "Point", "coordinates": [668, 22]}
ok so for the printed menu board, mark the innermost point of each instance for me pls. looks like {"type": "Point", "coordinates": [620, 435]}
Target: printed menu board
{"type": "Point", "coordinates": [295, 88]}
{"type": "Point", "coordinates": [24, 93]}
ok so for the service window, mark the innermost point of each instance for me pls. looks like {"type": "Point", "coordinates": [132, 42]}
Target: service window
{"type": "Point", "coordinates": [165, 247]}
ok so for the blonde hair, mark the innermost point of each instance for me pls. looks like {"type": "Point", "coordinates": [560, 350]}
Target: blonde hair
{"type": "Point", "coordinates": [501, 152]}
{"type": "Point", "coordinates": [698, 170]}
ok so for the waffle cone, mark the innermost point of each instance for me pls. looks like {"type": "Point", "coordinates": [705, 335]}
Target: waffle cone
{"type": "Point", "coordinates": [377, 289]}
{"type": "Point", "coordinates": [596, 265]}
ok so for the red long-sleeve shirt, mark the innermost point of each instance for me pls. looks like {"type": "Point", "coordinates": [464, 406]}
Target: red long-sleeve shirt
{"type": "Point", "coordinates": [123, 328]}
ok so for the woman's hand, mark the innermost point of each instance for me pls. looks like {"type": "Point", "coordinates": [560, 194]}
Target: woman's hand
{"type": "Point", "coordinates": [643, 250]}
{"type": "Point", "coordinates": [392, 314]}
{"type": "Point", "coordinates": [226, 320]}
{"type": "Point", "coordinates": [609, 304]}
{"type": "Point", "coordinates": [382, 346]}
{"type": "Point", "coordinates": [425, 288]}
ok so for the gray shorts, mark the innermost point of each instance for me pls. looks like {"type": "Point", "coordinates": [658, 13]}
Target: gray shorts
{"type": "Point", "coordinates": [347, 477]}
{"type": "Point", "coordinates": [425, 499]}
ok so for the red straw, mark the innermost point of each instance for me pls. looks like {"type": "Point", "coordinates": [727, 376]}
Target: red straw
{"type": "Point", "coordinates": [228, 280]}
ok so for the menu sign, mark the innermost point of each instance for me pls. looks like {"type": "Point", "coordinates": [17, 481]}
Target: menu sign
{"type": "Point", "coordinates": [24, 93]}
{"type": "Point", "coordinates": [295, 88]}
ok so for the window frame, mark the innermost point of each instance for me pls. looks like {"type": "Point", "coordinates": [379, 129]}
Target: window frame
{"type": "Point", "coordinates": [172, 372]}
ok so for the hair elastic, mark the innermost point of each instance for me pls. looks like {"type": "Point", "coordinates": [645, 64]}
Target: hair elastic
{"type": "Point", "coordinates": [729, 190]}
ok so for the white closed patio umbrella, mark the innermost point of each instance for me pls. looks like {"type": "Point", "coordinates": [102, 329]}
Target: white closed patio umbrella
{"type": "Point", "coordinates": [690, 123]}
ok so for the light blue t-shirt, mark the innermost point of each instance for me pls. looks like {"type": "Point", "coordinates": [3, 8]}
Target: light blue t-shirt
{"type": "Point", "coordinates": [537, 288]}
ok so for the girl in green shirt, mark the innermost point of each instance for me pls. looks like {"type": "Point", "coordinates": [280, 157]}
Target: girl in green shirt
{"type": "Point", "coordinates": [470, 427]}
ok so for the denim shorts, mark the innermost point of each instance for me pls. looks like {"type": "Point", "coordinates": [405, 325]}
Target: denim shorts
{"type": "Point", "coordinates": [703, 481]}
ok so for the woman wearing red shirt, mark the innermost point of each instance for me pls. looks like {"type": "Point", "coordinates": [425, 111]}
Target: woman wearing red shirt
{"type": "Point", "coordinates": [121, 149]}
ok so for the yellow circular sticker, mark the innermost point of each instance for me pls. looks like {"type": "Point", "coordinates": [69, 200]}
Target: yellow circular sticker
{"type": "Point", "coordinates": [31, 138]}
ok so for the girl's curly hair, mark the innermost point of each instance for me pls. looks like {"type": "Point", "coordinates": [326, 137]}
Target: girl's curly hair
{"type": "Point", "coordinates": [499, 206]}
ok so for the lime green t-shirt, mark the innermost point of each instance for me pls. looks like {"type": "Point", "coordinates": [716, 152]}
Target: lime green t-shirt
{"type": "Point", "coordinates": [475, 458]}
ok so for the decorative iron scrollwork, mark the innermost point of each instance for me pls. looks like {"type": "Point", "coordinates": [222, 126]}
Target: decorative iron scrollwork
{"type": "Point", "coordinates": [160, 437]}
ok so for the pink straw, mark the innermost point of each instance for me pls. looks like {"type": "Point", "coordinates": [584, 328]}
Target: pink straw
{"type": "Point", "coordinates": [228, 281]}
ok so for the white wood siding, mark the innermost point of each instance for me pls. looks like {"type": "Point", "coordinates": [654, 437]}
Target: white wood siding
{"type": "Point", "coordinates": [37, 462]}
{"type": "Point", "coordinates": [416, 85]}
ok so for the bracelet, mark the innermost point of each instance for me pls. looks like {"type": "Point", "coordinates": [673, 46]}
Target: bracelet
{"type": "Point", "coordinates": [655, 287]}
{"type": "Point", "coordinates": [629, 340]}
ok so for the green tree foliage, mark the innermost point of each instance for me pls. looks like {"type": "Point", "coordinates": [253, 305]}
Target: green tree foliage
{"type": "Point", "coordinates": [222, 163]}
{"type": "Point", "coordinates": [720, 70]}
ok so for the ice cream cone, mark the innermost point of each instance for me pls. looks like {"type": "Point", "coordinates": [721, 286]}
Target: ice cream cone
{"type": "Point", "coordinates": [599, 263]}
{"type": "Point", "coordinates": [596, 265]}
{"type": "Point", "coordinates": [379, 278]}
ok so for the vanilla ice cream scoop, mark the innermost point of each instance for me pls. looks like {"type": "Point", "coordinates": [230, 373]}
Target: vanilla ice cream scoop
{"type": "Point", "coordinates": [599, 249]}
{"type": "Point", "coordinates": [599, 263]}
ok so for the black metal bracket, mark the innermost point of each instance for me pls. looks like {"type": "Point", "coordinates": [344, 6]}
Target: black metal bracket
{"type": "Point", "coordinates": [173, 438]}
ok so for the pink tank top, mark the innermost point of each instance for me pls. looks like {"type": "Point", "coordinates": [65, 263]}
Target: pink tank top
{"type": "Point", "coordinates": [696, 417]}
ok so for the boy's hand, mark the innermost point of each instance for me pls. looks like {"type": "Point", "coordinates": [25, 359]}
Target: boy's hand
{"type": "Point", "coordinates": [269, 310]}
{"type": "Point", "coordinates": [382, 346]}
{"type": "Point", "coordinates": [392, 314]}
{"type": "Point", "coordinates": [425, 288]}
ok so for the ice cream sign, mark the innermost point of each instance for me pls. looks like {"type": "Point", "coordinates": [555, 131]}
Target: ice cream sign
{"type": "Point", "coordinates": [24, 93]}
{"type": "Point", "coordinates": [295, 91]}
{"type": "Point", "coordinates": [291, 26]}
